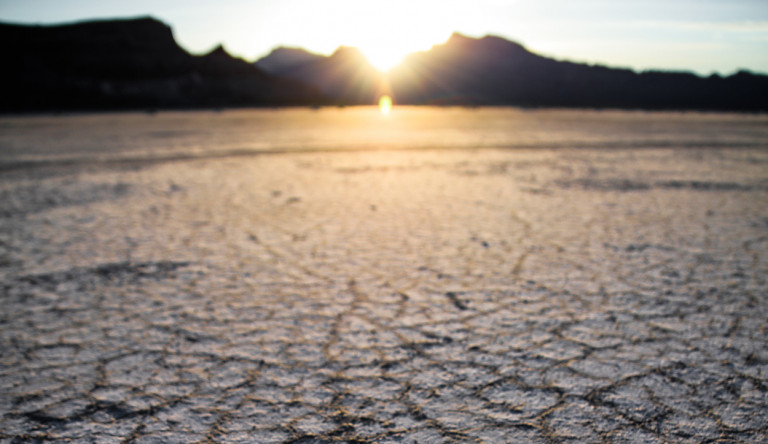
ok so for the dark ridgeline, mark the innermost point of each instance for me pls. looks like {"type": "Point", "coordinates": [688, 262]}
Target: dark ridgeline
{"type": "Point", "coordinates": [136, 64]}
{"type": "Point", "coordinates": [128, 64]}
{"type": "Point", "coordinates": [284, 59]}
{"type": "Point", "coordinates": [345, 77]}
{"type": "Point", "coordinates": [494, 71]}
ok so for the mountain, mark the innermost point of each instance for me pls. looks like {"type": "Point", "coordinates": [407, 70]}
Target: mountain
{"type": "Point", "coordinates": [129, 64]}
{"type": "Point", "coordinates": [346, 76]}
{"type": "Point", "coordinates": [137, 64]}
{"type": "Point", "coordinates": [283, 59]}
{"type": "Point", "coordinates": [494, 71]}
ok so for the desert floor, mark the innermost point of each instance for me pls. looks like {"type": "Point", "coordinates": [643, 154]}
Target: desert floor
{"type": "Point", "coordinates": [546, 295]}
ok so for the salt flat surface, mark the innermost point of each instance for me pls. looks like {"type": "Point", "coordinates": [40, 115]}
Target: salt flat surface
{"type": "Point", "coordinates": [539, 294]}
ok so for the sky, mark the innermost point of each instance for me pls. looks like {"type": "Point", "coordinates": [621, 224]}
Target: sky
{"type": "Point", "coordinates": [703, 36]}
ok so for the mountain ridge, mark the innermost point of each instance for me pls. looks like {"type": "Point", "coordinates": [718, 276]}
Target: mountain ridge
{"type": "Point", "coordinates": [130, 63]}
{"type": "Point", "coordinates": [495, 71]}
{"type": "Point", "coordinates": [136, 63]}
{"type": "Point", "coordinates": [283, 57]}
{"type": "Point", "coordinates": [345, 77]}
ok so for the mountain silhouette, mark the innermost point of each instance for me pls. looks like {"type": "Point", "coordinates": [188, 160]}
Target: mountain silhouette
{"type": "Point", "coordinates": [137, 64]}
{"type": "Point", "coordinates": [345, 77]}
{"type": "Point", "coordinates": [130, 63]}
{"type": "Point", "coordinates": [283, 59]}
{"type": "Point", "coordinates": [494, 71]}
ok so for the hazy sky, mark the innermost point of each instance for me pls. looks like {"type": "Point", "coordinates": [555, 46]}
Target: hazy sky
{"type": "Point", "coordinates": [699, 35]}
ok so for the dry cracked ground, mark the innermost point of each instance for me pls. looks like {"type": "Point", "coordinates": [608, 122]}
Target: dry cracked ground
{"type": "Point", "coordinates": [389, 297]}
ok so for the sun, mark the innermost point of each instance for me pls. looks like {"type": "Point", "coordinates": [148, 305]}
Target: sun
{"type": "Point", "coordinates": [386, 52]}
{"type": "Point", "coordinates": [384, 58]}
{"type": "Point", "coordinates": [389, 33]}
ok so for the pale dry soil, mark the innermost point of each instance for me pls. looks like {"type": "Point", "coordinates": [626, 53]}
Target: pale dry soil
{"type": "Point", "coordinates": [389, 297]}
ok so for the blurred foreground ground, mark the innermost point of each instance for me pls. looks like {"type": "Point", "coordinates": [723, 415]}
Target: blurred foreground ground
{"type": "Point", "coordinates": [388, 296]}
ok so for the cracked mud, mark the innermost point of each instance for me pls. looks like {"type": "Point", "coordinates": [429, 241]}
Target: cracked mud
{"type": "Point", "coordinates": [414, 297]}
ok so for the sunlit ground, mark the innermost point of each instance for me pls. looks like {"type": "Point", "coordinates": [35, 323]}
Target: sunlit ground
{"type": "Point", "coordinates": [385, 105]}
{"type": "Point", "coordinates": [141, 135]}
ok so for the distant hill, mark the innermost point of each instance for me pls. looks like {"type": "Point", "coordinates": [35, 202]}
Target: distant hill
{"type": "Point", "coordinates": [494, 71]}
{"type": "Point", "coordinates": [128, 64]}
{"type": "Point", "coordinates": [346, 76]}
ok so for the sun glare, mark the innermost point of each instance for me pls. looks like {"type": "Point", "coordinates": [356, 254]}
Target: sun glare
{"type": "Point", "coordinates": [385, 32]}
{"type": "Point", "coordinates": [383, 59]}
{"type": "Point", "coordinates": [385, 105]}
{"type": "Point", "coordinates": [386, 53]}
